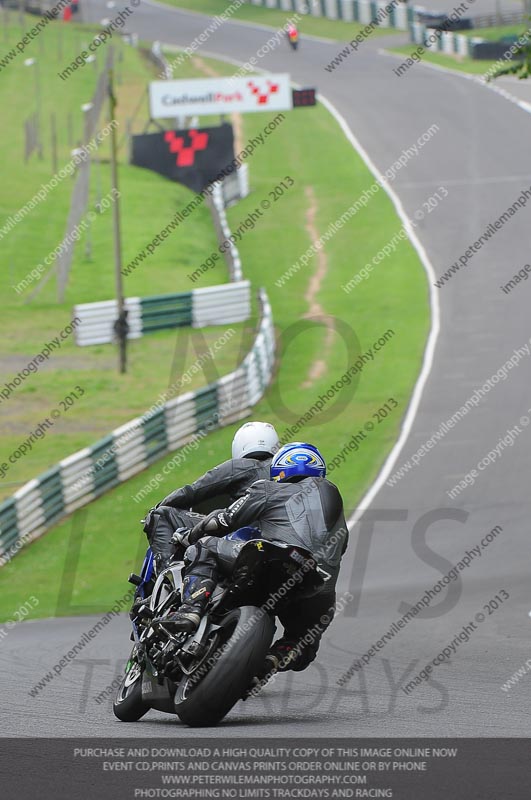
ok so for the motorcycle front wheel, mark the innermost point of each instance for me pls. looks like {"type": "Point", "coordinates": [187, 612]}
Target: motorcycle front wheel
{"type": "Point", "coordinates": [128, 705]}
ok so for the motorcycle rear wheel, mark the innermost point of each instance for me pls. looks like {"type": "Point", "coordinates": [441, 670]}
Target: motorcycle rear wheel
{"type": "Point", "coordinates": [247, 635]}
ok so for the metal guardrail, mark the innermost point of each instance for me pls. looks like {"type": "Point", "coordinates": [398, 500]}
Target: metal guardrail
{"type": "Point", "coordinates": [445, 42]}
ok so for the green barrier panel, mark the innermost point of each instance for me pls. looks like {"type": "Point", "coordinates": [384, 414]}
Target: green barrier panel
{"type": "Point", "coordinates": [206, 405]}
{"type": "Point", "coordinates": [8, 513]}
{"type": "Point", "coordinates": [51, 492]}
{"type": "Point", "coordinates": [107, 470]}
{"type": "Point", "coordinates": [180, 298]}
{"type": "Point", "coordinates": [163, 311]}
{"type": "Point", "coordinates": [8, 524]}
{"type": "Point", "coordinates": [155, 435]}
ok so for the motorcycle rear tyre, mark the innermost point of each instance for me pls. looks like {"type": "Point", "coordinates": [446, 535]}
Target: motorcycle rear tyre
{"type": "Point", "coordinates": [251, 632]}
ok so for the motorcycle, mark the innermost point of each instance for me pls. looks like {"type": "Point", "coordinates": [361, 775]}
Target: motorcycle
{"type": "Point", "coordinates": [293, 38]}
{"type": "Point", "coordinates": [200, 676]}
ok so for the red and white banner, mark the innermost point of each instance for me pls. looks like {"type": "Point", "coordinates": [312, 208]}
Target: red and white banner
{"type": "Point", "coordinates": [170, 99]}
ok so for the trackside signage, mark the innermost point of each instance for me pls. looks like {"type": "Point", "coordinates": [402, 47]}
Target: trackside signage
{"type": "Point", "coordinates": [220, 95]}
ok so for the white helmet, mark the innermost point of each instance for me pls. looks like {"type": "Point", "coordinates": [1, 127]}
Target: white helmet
{"type": "Point", "coordinates": [254, 437]}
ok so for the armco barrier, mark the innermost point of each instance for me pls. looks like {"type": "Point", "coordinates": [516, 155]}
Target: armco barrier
{"type": "Point", "coordinates": [456, 44]}
{"type": "Point", "coordinates": [212, 305]}
{"type": "Point", "coordinates": [167, 426]}
{"type": "Point", "coordinates": [232, 255]}
{"type": "Point", "coordinates": [235, 186]}
{"type": "Point", "coordinates": [400, 16]}
{"type": "Point", "coordinates": [444, 41]}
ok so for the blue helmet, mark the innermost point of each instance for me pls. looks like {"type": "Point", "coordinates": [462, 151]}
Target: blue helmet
{"type": "Point", "coordinates": [297, 459]}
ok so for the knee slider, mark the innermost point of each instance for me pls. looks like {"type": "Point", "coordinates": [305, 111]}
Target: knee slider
{"type": "Point", "coordinates": [192, 554]}
{"type": "Point", "coordinates": [202, 550]}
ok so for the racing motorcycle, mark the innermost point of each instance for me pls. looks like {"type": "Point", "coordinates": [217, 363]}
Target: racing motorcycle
{"type": "Point", "coordinates": [293, 39]}
{"type": "Point", "coordinates": [200, 676]}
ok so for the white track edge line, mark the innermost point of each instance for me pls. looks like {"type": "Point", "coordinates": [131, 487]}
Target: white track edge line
{"type": "Point", "coordinates": [429, 351]}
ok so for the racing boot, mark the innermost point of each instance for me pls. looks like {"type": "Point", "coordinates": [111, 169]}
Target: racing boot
{"type": "Point", "coordinates": [282, 654]}
{"type": "Point", "coordinates": [196, 592]}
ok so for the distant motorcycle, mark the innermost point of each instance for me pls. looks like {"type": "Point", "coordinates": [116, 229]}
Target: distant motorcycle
{"type": "Point", "coordinates": [293, 39]}
{"type": "Point", "coordinates": [200, 676]}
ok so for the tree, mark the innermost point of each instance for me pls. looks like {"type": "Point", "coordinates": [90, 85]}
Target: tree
{"type": "Point", "coordinates": [521, 67]}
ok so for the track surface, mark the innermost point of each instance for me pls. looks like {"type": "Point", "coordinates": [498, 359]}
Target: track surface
{"type": "Point", "coordinates": [481, 155]}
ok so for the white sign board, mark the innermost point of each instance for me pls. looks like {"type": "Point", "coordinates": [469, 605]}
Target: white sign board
{"type": "Point", "coordinates": [219, 95]}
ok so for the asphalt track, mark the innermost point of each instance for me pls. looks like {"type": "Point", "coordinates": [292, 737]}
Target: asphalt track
{"type": "Point", "coordinates": [481, 155]}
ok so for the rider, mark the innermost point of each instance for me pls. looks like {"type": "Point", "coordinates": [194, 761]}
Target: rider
{"type": "Point", "coordinates": [252, 448]}
{"type": "Point", "coordinates": [292, 32]}
{"type": "Point", "coordinates": [299, 507]}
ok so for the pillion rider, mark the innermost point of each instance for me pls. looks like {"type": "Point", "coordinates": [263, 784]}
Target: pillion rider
{"type": "Point", "coordinates": [252, 449]}
{"type": "Point", "coordinates": [299, 507]}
